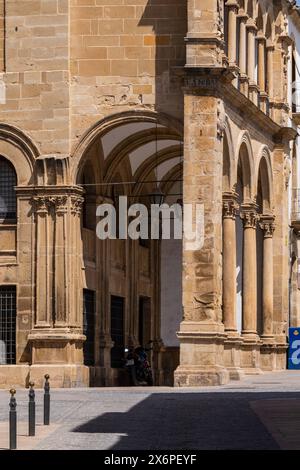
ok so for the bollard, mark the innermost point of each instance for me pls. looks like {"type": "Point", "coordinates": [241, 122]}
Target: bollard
{"type": "Point", "coordinates": [12, 420]}
{"type": "Point", "coordinates": [47, 400]}
{"type": "Point", "coordinates": [31, 410]}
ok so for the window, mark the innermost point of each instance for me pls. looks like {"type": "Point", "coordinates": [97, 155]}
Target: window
{"type": "Point", "coordinates": [8, 315]}
{"type": "Point", "coordinates": [117, 331]}
{"type": "Point", "coordinates": [89, 326]}
{"type": "Point", "coordinates": [8, 201]}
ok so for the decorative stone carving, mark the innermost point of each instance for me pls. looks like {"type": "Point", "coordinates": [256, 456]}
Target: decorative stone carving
{"type": "Point", "coordinates": [268, 227]}
{"type": "Point", "coordinates": [76, 204]}
{"type": "Point", "coordinates": [249, 216]}
{"type": "Point", "coordinates": [230, 207]}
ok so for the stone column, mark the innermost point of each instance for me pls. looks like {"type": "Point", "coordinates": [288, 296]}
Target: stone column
{"type": "Point", "coordinates": [229, 262]}
{"type": "Point", "coordinates": [243, 43]}
{"type": "Point", "coordinates": [250, 349]}
{"type": "Point", "coordinates": [232, 6]}
{"type": "Point", "coordinates": [249, 217]}
{"type": "Point", "coordinates": [261, 63]}
{"type": "Point", "coordinates": [270, 49]}
{"type": "Point", "coordinates": [268, 227]}
{"type": "Point", "coordinates": [244, 81]}
{"type": "Point", "coordinates": [251, 33]}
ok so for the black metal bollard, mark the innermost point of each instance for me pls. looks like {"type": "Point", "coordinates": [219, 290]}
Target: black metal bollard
{"type": "Point", "coordinates": [12, 420]}
{"type": "Point", "coordinates": [31, 410]}
{"type": "Point", "coordinates": [47, 400]}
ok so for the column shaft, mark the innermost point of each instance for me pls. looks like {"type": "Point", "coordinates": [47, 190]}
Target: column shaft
{"type": "Point", "coordinates": [249, 274]}
{"type": "Point", "coordinates": [229, 264]}
{"type": "Point", "coordinates": [232, 12]}
{"type": "Point", "coordinates": [251, 51]}
{"type": "Point", "coordinates": [268, 228]}
{"type": "Point", "coordinates": [242, 46]}
{"type": "Point", "coordinates": [261, 73]}
{"type": "Point", "coordinates": [270, 71]}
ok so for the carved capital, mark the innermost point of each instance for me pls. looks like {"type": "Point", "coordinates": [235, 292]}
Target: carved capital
{"type": "Point", "coordinates": [230, 206]}
{"type": "Point", "coordinates": [40, 204]}
{"type": "Point", "coordinates": [59, 203]}
{"type": "Point", "coordinates": [267, 225]}
{"type": "Point", "coordinates": [76, 204]}
{"type": "Point", "coordinates": [249, 215]}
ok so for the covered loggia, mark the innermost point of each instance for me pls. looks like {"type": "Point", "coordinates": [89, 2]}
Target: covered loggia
{"type": "Point", "coordinates": [131, 289]}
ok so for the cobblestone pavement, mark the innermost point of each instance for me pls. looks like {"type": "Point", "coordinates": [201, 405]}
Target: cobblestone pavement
{"type": "Point", "coordinates": [260, 412]}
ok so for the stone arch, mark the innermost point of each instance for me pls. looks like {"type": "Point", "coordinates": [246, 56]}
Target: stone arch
{"type": "Point", "coordinates": [244, 158]}
{"type": "Point", "coordinates": [113, 121]}
{"type": "Point", "coordinates": [228, 157]}
{"type": "Point", "coordinates": [17, 148]}
{"type": "Point", "coordinates": [264, 173]}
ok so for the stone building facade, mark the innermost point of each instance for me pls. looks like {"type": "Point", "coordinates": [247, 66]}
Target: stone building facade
{"type": "Point", "coordinates": [102, 98]}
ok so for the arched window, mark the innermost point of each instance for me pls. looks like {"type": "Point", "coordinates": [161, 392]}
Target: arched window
{"type": "Point", "coordinates": [8, 200]}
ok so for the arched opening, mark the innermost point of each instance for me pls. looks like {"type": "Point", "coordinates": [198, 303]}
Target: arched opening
{"type": "Point", "coordinates": [226, 164]}
{"type": "Point", "coordinates": [8, 200]}
{"type": "Point", "coordinates": [129, 282]}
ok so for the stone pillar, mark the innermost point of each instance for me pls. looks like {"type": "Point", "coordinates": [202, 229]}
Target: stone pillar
{"type": "Point", "coordinates": [243, 44]}
{"type": "Point", "coordinates": [201, 332]}
{"type": "Point", "coordinates": [250, 348]}
{"type": "Point", "coordinates": [249, 217]}
{"type": "Point", "coordinates": [251, 33]}
{"type": "Point", "coordinates": [268, 227]}
{"type": "Point", "coordinates": [233, 341]}
{"type": "Point", "coordinates": [270, 50]}
{"type": "Point", "coordinates": [261, 63]}
{"type": "Point", "coordinates": [229, 262]}
{"type": "Point", "coordinates": [268, 348]}
{"type": "Point", "coordinates": [243, 53]}
{"type": "Point", "coordinates": [232, 7]}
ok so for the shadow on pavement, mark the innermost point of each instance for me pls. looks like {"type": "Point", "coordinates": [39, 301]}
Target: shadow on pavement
{"type": "Point", "coordinates": [189, 421]}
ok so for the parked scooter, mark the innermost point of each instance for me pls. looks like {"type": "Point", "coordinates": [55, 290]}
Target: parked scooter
{"type": "Point", "coordinates": [138, 366]}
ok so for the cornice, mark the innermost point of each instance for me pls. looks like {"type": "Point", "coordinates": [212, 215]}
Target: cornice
{"type": "Point", "coordinates": [217, 81]}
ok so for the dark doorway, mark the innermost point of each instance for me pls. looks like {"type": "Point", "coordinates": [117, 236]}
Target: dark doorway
{"type": "Point", "coordinates": [89, 327]}
{"type": "Point", "coordinates": [117, 331]}
{"type": "Point", "coordinates": [144, 320]}
{"type": "Point", "coordinates": [8, 314]}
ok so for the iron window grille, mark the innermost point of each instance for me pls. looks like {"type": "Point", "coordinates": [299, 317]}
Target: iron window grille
{"type": "Point", "coordinates": [8, 200]}
{"type": "Point", "coordinates": [8, 314]}
{"type": "Point", "coordinates": [117, 331]}
{"type": "Point", "coordinates": [89, 326]}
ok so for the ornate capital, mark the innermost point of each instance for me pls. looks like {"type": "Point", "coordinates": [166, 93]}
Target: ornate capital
{"type": "Point", "coordinates": [76, 204]}
{"type": "Point", "coordinates": [40, 204]}
{"type": "Point", "coordinates": [249, 215]}
{"type": "Point", "coordinates": [267, 224]}
{"type": "Point", "coordinates": [230, 206]}
{"type": "Point", "coordinates": [59, 203]}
